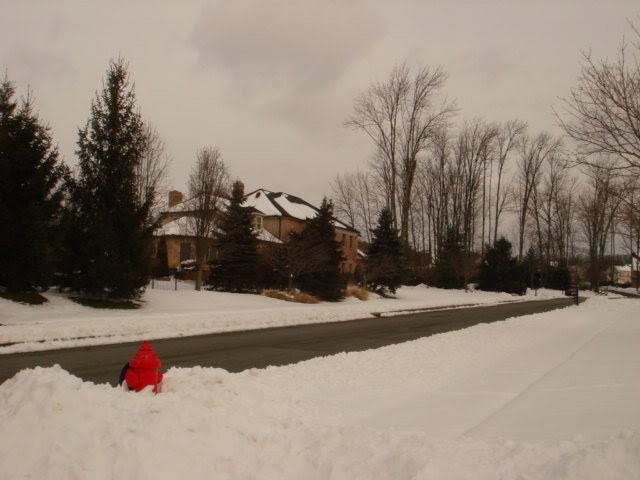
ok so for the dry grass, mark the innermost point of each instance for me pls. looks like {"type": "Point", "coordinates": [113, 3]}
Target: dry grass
{"type": "Point", "coordinates": [298, 297]}
{"type": "Point", "coordinates": [358, 292]}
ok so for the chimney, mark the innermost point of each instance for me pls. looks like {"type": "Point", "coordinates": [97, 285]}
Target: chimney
{"type": "Point", "coordinates": [175, 197]}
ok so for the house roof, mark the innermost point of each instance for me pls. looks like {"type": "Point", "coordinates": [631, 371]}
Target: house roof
{"type": "Point", "coordinates": [280, 204]}
{"type": "Point", "coordinates": [261, 201]}
{"type": "Point", "coordinates": [172, 227]}
{"type": "Point", "coordinates": [177, 227]}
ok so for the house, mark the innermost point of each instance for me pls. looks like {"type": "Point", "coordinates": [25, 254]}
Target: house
{"type": "Point", "coordinates": [173, 231]}
{"type": "Point", "coordinates": [275, 216]}
{"type": "Point", "coordinates": [280, 213]}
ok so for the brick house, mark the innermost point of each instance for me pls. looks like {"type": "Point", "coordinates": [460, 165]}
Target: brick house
{"type": "Point", "coordinates": [279, 213]}
{"type": "Point", "coordinates": [275, 215]}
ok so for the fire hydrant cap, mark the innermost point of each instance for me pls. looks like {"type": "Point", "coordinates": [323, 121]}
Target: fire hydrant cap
{"type": "Point", "coordinates": [145, 357]}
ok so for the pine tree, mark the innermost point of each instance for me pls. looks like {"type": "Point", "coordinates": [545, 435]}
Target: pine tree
{"type": "Point", "coordinates": [324, 279]}
{"type": "Point", "coordinates": [161, 263]}
{"type": "Point", "coordinates": [109, 229]}
{"type": "Point", "coordinates": [30, 195]}
{"type": "Point", "coordinates": [235, 267]}
{"type": "Point", "coordinates": [500, 271]}
{"type": "Point", "coordinates": [449, 268]}
{"type": "Point", "coordinates": [384, 260]}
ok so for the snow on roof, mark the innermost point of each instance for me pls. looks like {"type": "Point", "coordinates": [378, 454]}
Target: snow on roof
{"type": "Point", "coordinates": [189, 205]}
{"type": "Point", "coordinates": [260, 201]}
{"type": "Point", "coordinates": [283, 204]}
{"type": "Point", "coordinates": [295, 207]}
{"type": "Point", "coordinates": [623, 268]}
{"type": "Point", "coordinates": [267, 236]}
{"type": "Point", "coordinates": [174, 227]}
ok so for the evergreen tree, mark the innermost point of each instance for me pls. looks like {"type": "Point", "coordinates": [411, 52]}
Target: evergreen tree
{"type": "Point", "coordinates": [109, 244]}
{"type": "Point", "coordinates": [558, 278]}
{"type": "Point", "coordinates": [235, 268]}
{"type": "Point", "coordinates": [324, 279]}
{"type": "Point", "coordinates": [449, 268]}
{"type": "Point", "coordinates": [161, 262]}
{"type": "Point", "coordinates": [384, 260]}
{"type": "Point", "coordinates": [500, 271]}
{"type": "Point", "coordinates": [30, 195]}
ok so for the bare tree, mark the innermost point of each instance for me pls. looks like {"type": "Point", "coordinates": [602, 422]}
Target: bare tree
{"type": "Point", "coordinates": [508, 140]}
{"type": "Point", "coordinates": [151, 172]}
{"type": "Point", "coordinates": [532, 152]}
{"type": "Point", "coordinates": [437, 185]}
{"type": "Point", "coordinates": [294, 259]}
{"type": "Point", "coordinates": [564, 223]}
{"type": "Point", "coordinates": [474, 146]}
{"type": "Point", "coordinates": [208, 185]}
{"type": "Point", "coordinates": [401, 116]}
{"type": "Point", "coordinates": [602, 114]}
{"type": "Point", "coordinates": [545, 204]}
{"type": "Point", "coordinates": [628, 223]}
{"type": "Point", "coordinates": [356, 201]}
{"type": "Point", "coordinates": [598, 207]}
{"type": "Point", "coordinates": [344, 197]}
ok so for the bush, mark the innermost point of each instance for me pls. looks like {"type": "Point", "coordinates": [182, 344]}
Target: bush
{"type": "Point", "coordinates": [558, 278]}
{"type": "Point", "coordinates": [298, 297]}
{"type": "Point", "coordinates": [358, 292]}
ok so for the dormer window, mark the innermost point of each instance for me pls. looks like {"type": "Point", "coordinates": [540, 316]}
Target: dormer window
{"type": "Point", "coordinates": [257, 223]}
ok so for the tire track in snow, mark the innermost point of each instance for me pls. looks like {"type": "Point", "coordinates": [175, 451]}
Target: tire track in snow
{"type": "Point", "coordinates": [485, 421]}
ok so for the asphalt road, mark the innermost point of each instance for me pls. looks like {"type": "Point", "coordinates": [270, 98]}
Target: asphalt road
{"type": "Point", "coordinates": [237, 351]}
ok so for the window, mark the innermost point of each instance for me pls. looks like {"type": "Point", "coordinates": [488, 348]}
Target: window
{"type": "Point", "coordinates": [344, 239]}
{"type": "Point", "coordinates": [350, 240]}
{"type": "Point", "coordinates": [257, 222]}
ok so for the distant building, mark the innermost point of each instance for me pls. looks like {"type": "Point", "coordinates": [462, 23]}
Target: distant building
{"type": "Point", "coordinates": [622, 274]}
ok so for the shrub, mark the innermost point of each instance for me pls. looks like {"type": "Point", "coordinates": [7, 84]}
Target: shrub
{"type": "Point", "coordinates": [358, 292]}
{"type": "Point", "coordinates": [298, 297]}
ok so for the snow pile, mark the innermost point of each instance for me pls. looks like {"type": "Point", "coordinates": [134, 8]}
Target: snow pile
{"type": "Point", "coordinates": [495, 401]}
{"type": "Point", "coordinates": [63, 323]}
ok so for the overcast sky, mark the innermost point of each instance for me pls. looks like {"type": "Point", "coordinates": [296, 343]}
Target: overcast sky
{"type": "Point", "coordinates": [271, 82]}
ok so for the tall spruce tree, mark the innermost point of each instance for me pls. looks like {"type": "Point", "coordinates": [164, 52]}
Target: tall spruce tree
{"type": "Point", "coordinates": [235, 268]}
{"type": "Point", "coordinates": [324, 279]}
{"type": "Point", "coordinates": [110, 238]}
{"type": "Point", "coordinates": [384, 260]}
{"type": "Point", "coordinates": [30, 195]}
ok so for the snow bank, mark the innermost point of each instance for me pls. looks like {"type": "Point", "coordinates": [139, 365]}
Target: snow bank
{"type": "Point", "coordinates": [62, 323]}
{"type": "Point", "coordinates": [345, 416]}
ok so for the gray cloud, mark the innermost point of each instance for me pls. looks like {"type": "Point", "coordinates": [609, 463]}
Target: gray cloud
{"type": "Point", "coordinates": [283, 48]}
{"type": "Point", "coordinates": [33, 64]}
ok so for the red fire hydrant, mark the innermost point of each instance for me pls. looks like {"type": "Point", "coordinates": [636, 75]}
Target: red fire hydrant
{"type": "Point", "coordinates": [144, 369]}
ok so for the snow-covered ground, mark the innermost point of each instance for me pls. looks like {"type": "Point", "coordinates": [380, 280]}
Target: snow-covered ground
{"type": "Point", "coordinates": [62, 323]}
{"type": "Point", "coordinates": [547, 396]}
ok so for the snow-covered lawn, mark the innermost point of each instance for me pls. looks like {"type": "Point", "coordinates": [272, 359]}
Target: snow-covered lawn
{"type": "Point", "coordinates": [547, 396]}
{"type": "Point", "coordinates": [63, 323]}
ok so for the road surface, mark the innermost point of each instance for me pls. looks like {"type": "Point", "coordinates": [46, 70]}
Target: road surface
{"type": "Point", "coordinates": [237, 351]}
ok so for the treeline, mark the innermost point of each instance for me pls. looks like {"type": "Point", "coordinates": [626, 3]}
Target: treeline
{"type": "Point", "coordinates": [471, 183]}
{"type": "Point", "coordinates": [88, 229]}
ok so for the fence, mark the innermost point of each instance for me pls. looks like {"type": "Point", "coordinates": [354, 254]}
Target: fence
{"type": "Point", "coordinates": [171, 284]}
